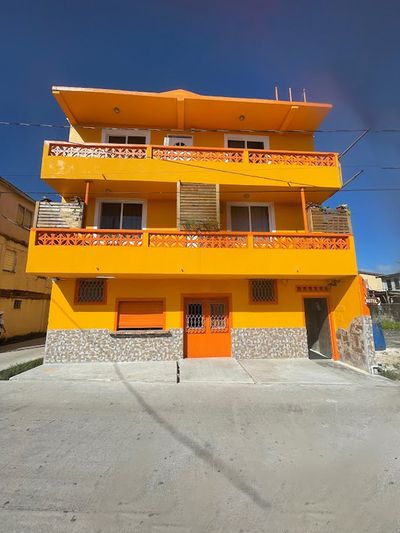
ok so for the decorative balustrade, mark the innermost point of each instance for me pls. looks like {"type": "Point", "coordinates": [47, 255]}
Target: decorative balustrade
{"type": "Point", "coordinates": [192, 153]}
{"type": "Point", "coordinates": [161, 239]}
{"type": "Point", "coordinates": [301, 242]}
{"type": "Point", "coordinates": [102, 151]}
{"type": "Point", "coordinates": [83, 237]}
{"type": "Point", "coordinates": [289, 158]}
{"type": "Point", "coordinates": [198, 154]}
{"type": "Point", "coordinates": [198, 240]}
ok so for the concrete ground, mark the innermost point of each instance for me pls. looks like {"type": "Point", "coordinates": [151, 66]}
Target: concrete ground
{"type": "Point", "coordinates": [21, 352]}
{"type": "Point", "coordinates": [122, 456]}
{"type": "Point", "coordinates": [213, 370]}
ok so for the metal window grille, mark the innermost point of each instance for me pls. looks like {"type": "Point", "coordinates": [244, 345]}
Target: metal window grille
{"type": "Point", "coordinates": [218, 317]}
{"type": "Point", "coordinates": [91, 290]}
{"type": "Point", "coordinates": [17, 304]}
{"type": "Point", "coordinates": [263, 290]}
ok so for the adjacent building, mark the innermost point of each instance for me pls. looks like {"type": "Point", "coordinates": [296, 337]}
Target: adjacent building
{"type": "Point", "coordinates": [192, 226]}
{"type": "Point", "coordinates": [24, 298]}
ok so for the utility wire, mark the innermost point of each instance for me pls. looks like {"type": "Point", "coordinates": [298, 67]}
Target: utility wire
{"type": "Point", "coordinates": [199, 130]}
{"type": "Point", "coordinates": [245, 191]}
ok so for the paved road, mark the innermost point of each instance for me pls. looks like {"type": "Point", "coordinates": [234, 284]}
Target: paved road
{"type": "Point", "coordinates": [194, 457]}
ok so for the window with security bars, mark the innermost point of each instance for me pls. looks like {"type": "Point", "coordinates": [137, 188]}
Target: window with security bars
{"type": "Point", "coordinates": [91, 291]}
{"type": "Point", "coordinates": [263, 291]}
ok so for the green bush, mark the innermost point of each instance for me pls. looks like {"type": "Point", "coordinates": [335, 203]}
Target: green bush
{"type": "Point", "coordinates": [18, 369]}
{"type": "Point", "coordinates": [389, 324]}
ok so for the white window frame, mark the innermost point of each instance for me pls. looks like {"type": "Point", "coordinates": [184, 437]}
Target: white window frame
{"type": "Point", "coordinates": [106, 132]}
{"type": "Point", "coordinates": [99, 201]}
{"type": "Point", "coordinates": [177, 136]}
{"type": "Point", "coordinates": [271, 213]}
{"type": "Point", "coordinates": [238, 137]}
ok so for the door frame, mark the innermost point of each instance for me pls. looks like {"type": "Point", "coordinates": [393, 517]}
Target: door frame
{"type": "Point", "coordinates": [332, 328]}
{"type": "Point", "coordinates": [205, 296]}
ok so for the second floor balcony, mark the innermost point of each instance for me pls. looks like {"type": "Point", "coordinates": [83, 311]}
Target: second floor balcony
{"type": "Point", "coordinates": [80, 162]}
{"type": "Point", "coordinates": [149, 253]}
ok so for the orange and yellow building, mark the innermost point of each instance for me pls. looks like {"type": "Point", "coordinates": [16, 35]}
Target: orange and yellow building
{"type": "Point", "coordinates": [190, 226]}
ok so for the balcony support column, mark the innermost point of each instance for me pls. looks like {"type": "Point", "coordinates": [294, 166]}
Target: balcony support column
{"type": "Point", "coordinates": [304, 210]}
{"type": "Point", "coordinates": [87, 191]}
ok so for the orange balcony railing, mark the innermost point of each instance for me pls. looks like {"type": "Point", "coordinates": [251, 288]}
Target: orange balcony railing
{"type": "Point", "coordinates": [191, 153]}
{"type": "Point", "coordinates": [76, 252]}
{"type": "Point", "coordinates": [185, 239]}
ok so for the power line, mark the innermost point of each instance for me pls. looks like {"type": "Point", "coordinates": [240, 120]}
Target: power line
{"type": "Point", "coordinates": [245, 191]}
{"type": "Point", "coordinates": [198, 130]}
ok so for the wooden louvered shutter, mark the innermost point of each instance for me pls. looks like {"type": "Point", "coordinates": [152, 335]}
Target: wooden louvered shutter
{"type": "Point", "coordinates": [198, 206]}
{"type": "Point", "coordinates": [141, 315]}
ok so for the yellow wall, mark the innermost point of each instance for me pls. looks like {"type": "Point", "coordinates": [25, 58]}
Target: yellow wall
{"type": "Point", "coordinates": [347, 302]}
{"type": "Point", "coordinates": [31, 318]}
{"type": "Point", "coordinates": [287, 312]}
{"type": "Point", "coordinates": [161, 214]}
{"type": "Point", "coordinates": [287, 141]}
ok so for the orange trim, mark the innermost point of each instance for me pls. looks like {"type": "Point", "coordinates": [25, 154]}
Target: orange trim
{"type": "Point", "coordinates": [87, 190]}
{"type": "Point", "coordinates": [76, 295]}
{"type": "Point", "coordinates": [332, 329]}
{"type": "Point", "coordinates": [304, 210]}
{"type": "Point", "coordinates": [363, 297]}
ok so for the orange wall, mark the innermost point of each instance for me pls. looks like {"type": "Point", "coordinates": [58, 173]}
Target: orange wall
{"type": "Point", "coordinates": [287, 141]}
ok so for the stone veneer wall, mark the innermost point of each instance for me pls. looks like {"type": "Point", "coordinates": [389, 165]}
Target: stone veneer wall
{"type": "Point", "coordinates": [269, 343]}
{"type": "Point", "coordinates": [356, 343]}
{"type": "Point", "coordinates": [99, 345]}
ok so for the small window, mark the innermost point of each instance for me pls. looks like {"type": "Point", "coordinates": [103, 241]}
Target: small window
{"type": "Point", "coordinates": [10, 261]}
{"type": "Point", "coordinates": [248, 142]}
{"type": "Point", "coordinates": [141, 314]}
{"type": "Point", "coordinates": [120, 215]}
{"type": "Point", "coordinates": [250, 218]}
{"type": "Point", "coordinates": [397, 283]}
{"type": "Point", "coordinates": [389, 284]}
{"type": "Point", "coordinates": [24, 217]}
{"type": "Point", "coordinates": [263, 291]}
{"type": "Point", "coordinates": [126, 136]}
{"type": "Point", "coordinates": [17, 304]}
{"type": "Point", "coordinates": [91, 291]}
{"type": "Point", "coordinates": [178, 140]}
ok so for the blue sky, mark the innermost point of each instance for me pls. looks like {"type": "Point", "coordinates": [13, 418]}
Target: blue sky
{"type": "Point", "coordinates": [343, 52]}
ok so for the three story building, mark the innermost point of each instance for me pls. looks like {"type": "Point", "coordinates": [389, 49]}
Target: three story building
{"type": "Point", "coordinates": [191, 226]}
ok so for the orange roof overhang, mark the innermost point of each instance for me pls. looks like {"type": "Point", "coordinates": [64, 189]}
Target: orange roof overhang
{"type": "Point", "coordinates": [184, 110]}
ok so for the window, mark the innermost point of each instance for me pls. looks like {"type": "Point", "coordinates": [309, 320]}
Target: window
{"type": "Point", "coordinates": [389, 284]}
{"type": "Point", "coordinates": [250, 217]}
{"type": "Point", "coordinates": [397, 283]}
{"type": "Point", "coordinates": [24, 217]}
{"type": "Point", "coordinates": [90, 291]}
{"type": "Point", "coordinates": [126, 136]}
{"type": "Point", "coordinates": [10, 260]}
{"type": "Point", "coordinates": [121, 215]}
{"type": "Point", "coordinates": [246, 142]}
{"type": "Point", "coordinates": [181, 140]}
{"type": "Point", "coordinates": [17, 304]}
{"type": "Point", "coordinates": [263, 291]}
{"type": "Point", "coordinates": [141, 314]}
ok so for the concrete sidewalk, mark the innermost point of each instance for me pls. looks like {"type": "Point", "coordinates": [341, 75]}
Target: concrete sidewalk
{"type": "Point", "coordinates": [21, 352]}
{"type": "Point", "coordinates": [212, 371]}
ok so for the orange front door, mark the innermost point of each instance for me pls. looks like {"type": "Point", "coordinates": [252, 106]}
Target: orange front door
{"type": "Point", "coordinates": [207, 329]}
